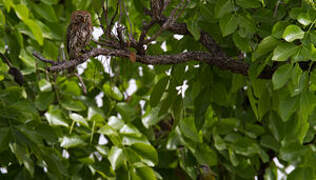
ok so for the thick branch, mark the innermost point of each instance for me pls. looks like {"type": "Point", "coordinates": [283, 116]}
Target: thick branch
{"type": "Point", "coordinates": [235, 66]}
{"type": "Point", "coordinates": [215, 55]}
{"type": "Point", "coordinates": [209, 43]}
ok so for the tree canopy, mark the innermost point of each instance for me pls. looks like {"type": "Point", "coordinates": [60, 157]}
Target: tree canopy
{"type": "Point", "coordinates": [169, 89]}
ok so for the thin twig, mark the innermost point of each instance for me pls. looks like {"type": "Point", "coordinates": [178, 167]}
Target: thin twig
{"type": "Point", "coordinates": [165, 5]}
{"type": "Point", "coordinates": [130, 34]}
{"type": "Point", "coordinates": [145, 30]}
{"type": "Point", "coordinates": [41, 58]}
{"type": "Point", "coordinates": [172, 18]}
{"type": "Point", "coordinates": [104, 11]}
{"type": "Point", "coordinates": [119, 31]}
{"type": "Point", "coordinates": [6, 60]}
{"type": "Point", "coordinates": [109, 28]}
{"type": "Point", "coordinates": [276, 8]}
{"type": "Point", "coordinates": [107, 43]}
{"type": "Point", "coordinates": [83, 86]}
{"type": "Point", "coordinates": [16, 73]}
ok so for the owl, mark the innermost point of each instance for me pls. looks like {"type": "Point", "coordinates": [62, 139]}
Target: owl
{"type": "Point", "coordinates": [79, 33]}
{"type": "Point", "coordinates": [156, 8]}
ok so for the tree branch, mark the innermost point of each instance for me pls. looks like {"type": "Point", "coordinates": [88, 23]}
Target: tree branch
{"type": "Point", "coordinates": [215, 55]}
{"type": "Point", "coordinates": [235, 66]}
{"type": "Point", "coordinates": [209, 43]}
{"type": "Point", "coordinates": [16, 73]}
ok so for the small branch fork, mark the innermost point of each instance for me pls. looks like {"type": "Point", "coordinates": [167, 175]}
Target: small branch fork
{"type": "Point", "coordinates": [118, 44]}
{"type": "Point", "coordinates": [15, 72]}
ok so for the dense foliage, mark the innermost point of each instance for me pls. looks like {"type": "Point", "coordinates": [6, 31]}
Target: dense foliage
{"type": "Point", "coordinates": [227, 124]}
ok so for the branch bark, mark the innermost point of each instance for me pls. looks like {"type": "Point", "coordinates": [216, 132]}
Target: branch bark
{"type": "Point", "coordinates": [235, 66]}
{"type": "Point", "coordinates": [213, 56]}
{"type": "Point", "coordinates": [226, 62]}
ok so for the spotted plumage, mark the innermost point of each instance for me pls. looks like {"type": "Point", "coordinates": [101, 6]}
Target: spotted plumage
{"type": "Point", "coordinates": [79, 33]}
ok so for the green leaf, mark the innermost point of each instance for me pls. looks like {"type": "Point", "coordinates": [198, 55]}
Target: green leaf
{"type": "Point", "coordinates": [188, 129]}
{"type": "Point", "coordinates": [36, 30]}
{"type": "Point", "coordinates": [73, 105]}
{"type": "Point", "coordinates": [54, 116]}
{"type": "Point", "coordinates": [107, 130]}
{"type": "Point", "coordinates": [265, 46]}
{"type": "Point", "coordinates": [264, 103]}
{"type": "Point", "coordinates": [167, 102]}
{"type": "Point", "coordinates": [4, 138]}
{"type": "Point", "coordinates": [295, 12]}
{"type": "Point", "coordinates": [44, 99]}
{"type": "Point", "coordinates": [201, 105]}
{"type": "Point", "coordinates": [305, 173]}
{"type": "Point", "coordinates": [51, 31]}
{"type": "Point", "coordinates": [44, 85]}
{"type": "Point", "coordinates": [112, 134]}
{"type": "Point", "coordinates": [307, 104]}
{"type": "Point", "coordinates": [205, 155]}
{"type": "Point", "coordinates": [288, 106]}
{"type": "Point", "coordinates": [70, 142]}
{"type": "Point", "coordinates": [129, 140]}
{"type": "Point", "coordinates": [279, 28]}
{"type": "Point", "coordinates": [79, 119]}
{"type": "Point", "coordinates": [28, 61]}
{"type": "Point", "coordinates": [244, 146]}
{"type": "Point", "coordinates": [226, 125]}
{"type": "Point", "coordinates": [22, 11]}
{"type": "Point", "coordinates": [127, 112]}
{"type": "Point", "coordinates": [313, 79]}
{"type": "Point", "coordinates": [158, 91]}
{"type": "Point", "coordinates": [233, 157]}
{"type": "Point", "coordinates": [242, 43]}
{"type": "Point", "coordinates": [2, 47]}
{"type": "Point", "coordinates": [2, 18]}
{"type": "Point", "coordinates": [29, 165]}
{"type": "Point", "coordinates": [223, 7]}
{"type": "Point", "coordinates": [304, 18]}
{"type": "Point", "coordinates": [50, 2]}
{"type": "Point", "coordinates": [116, 157]}
{"type": "Point", "coordinates": [228, 24]}
{"type": "Point", "coordinates": [113, 92]}
{"type": "Point", "coordinates": [151, 118]}
{"type": "Point", "coordinates": [187, 163]}
{"type": "Point", "coordinates": [194, 29]}
{"type": "Point", "coordinates": [130, 130]}
{"type": "Point", "coordinates": [45, 11]}
{"type": "Point", "coordinates": [292, 151]}
{"type": "Point", "coordinates": [144, 173]}
{"type": "Point", "coordinates": [139, 6]}
{"type": "Point", "coordinates": [94, 113]}
{"type": "Point", "coordinates": [284, 51]}
{"type": "Point", "coordinates": [281, 76]}
{"type": "Point", "coordinates": [147, 152]}
{"type": "Point", "coordinates": [70, 88]}
{"type": "Point", "coordinates": [249, 3]}
{"type": "Point", "coordinates": [87, 160]}
{"type": "Point", "coordinates": [115, 122]}
{"type": "Point", "coordinates": [292, 33]}
{"type": "Point", "coordinates": [8, 4]}
{"type": "Point", "coordinates": [247, 26]}
{"type": "Point", "coordinates": [269, 142]}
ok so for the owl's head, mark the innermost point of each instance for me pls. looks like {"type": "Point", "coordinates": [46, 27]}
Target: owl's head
{"type": "Point", "coordinates": [80, 16]}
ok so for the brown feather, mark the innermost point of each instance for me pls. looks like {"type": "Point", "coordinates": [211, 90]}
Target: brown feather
{"type": "Point", "coordinates": [79, 33]}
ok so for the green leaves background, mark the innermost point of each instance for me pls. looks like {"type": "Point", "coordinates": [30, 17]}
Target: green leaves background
{"type": "Point", "coordinates": [226, 126]}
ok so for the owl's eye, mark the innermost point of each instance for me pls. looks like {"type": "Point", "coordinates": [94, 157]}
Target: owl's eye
{"type": "Point", "coordinates": [82, 18]}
